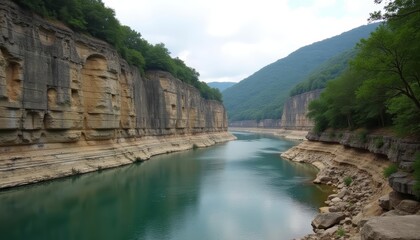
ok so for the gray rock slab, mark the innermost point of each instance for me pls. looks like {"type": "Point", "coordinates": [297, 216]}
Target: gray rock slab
{"type": "Point", "coordinates": [392, 228]}
{"type": "Point", "coordinates": [327, 220]}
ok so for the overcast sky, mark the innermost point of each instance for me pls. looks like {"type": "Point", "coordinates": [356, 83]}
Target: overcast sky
{"type": "Point", "coordinates": [228, 40]}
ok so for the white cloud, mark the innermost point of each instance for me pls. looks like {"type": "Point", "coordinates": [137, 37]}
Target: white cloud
{"type": "Point", "coordinates": [231, 39]}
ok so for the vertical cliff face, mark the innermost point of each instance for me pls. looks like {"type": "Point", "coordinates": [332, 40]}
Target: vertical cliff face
{"type": "Point", "coordinates": [69, 104]}
{"type": "Point", "coordinates": [293, 117]}
{"type": "Point", "coordinates": [295, 110]}
{"type": "Point", "coordinates": [60, 86]}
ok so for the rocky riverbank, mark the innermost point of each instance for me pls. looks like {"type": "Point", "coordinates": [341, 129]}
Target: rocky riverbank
{"type": "Point", "coordinates": [361, 194]}
{"type": "Point", "coordinates": [358, 184]}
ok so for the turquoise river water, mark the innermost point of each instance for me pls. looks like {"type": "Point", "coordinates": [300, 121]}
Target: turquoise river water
{"type": "Point", "coordinates": [237, 190]}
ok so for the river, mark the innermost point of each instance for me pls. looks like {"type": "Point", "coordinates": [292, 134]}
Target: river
{"type": "Point", "coordinates": [237, 190]}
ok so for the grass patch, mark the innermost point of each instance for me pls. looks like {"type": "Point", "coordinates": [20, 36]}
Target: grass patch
{"type": "Point", "coordinates": [347, 180]}
{"type": "Point", "coordinates": [75, 171]}
{"type": "Point", "coordinates": [340, 232]}
{"type": "Point", "coordinates": [388, 171]}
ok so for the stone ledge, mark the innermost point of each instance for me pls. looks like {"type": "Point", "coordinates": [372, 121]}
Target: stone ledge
{"type": "Point", "coordinates": [392, 227]}
{"type": "Point", "coordinates": [23, 165]}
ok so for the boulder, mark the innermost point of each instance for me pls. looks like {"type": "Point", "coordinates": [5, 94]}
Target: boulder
{"type": "Point", "coordinates": [358, 220]}
{"type": "Point", "coordinates": [342, 193]}
{"type": "Point", "coordinates": [392, 228]}
{"type": "Point", "coordinates": [334, 209]}
{"type": "Point", "coordinates": [402, 182]}
{"type": "Point", "coordinates": [332, 196]}
{"type": "Point", "coordinates": [384, 202]}
{"type": "Point", "coordinates": [408, 206]}
{"type": "Point", "coordinates": [327, 220]}
{"type": "Point", "coordinates": [392, 213]}
{"type": "Point", "coordinates": [324, 209]}
{"type": "Point", "coordinates": [330, 231]}
{"type": "Point", "coordinates": [394, 199]}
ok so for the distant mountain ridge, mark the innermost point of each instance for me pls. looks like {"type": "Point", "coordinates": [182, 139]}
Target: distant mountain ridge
{"type": "Point", "coordinates": [221, 85]}
{"type": "Point", "coordinates": [262, 95]}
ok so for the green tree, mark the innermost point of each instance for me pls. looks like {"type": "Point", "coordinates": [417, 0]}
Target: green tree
{"type": "Point", "coordinates": [337, 107]}
{"type": "Point", "coordinates": [391, 56]}
{"type": "Point", "coordinates": [158, 58]}
{"type": "Point", "coordinates": [396, 10]}
{"type": "Point", "coordinates": [385, 75]}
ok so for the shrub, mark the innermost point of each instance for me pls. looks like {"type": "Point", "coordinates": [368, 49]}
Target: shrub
{"type": "Point", "coordinates": [138, 160]}
{"type": "Point", "coordinates": [379, 142]}
{"type": "Point", "coordinates": [347, 180]}
{"type": "Point", "coordinates": [340, 232]}
{"type": "Point", "coordinates": [363, 135]}
{"type": "Point", "coordinates": [388, 171]}
{"type": "Point", "coordinates": [195, 146]}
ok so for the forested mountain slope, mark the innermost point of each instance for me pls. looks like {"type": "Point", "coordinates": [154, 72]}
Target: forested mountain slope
{"type": "Point", "coordinates": [381, 88]}
{"type": "Point", "coordinates": [263, 94]}
{"type": "Point", "coordinates": [327, 71]}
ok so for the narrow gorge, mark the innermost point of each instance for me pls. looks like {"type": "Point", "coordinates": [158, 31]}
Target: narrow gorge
{"type": "Point", "coordinates": [70, 104]}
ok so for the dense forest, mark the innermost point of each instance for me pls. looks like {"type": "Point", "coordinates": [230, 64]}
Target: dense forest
{"type": "Point", "coordinates": [330, 69]}
{"type": "Point", "coordinates": [94, 18]}
{"type": "Point", "coordinates": [381, 86]}
{"type": "Point", "coordinates": [262, 95]}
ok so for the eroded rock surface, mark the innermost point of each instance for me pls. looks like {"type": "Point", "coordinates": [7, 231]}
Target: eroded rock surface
{"type": "Point", "coordinates": [392, 228]}
{"type": "Point", "coordinates": [61, 89]}
{"type": "Point", "coordinates": [295, 110]}
{"type": "Point", "coordinates": [357, 179]}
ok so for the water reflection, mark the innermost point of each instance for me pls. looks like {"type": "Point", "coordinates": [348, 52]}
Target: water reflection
{"type": "Point", "coordinates": [120, 203]}
{"type": "Point", "coordinates": [238, 190]}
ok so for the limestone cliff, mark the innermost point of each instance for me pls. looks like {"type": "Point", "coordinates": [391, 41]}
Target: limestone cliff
{"type": "Point", "coordinates": [295, 110]}
{"type": "Point", "coordinates": [400, 151]}
{"type": "Point", "coordinates": [63, 89]}
{"type": "Point", "coordinates": [293, 117]}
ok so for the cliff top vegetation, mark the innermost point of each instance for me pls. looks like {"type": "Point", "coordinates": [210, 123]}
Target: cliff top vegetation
{"type": "Point", "coordinates": [94, 18]}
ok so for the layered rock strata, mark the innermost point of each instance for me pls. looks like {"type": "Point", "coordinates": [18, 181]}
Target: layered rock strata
{"type": "Point", "coordinates": [293, 117]}
{"type": "Point", "coordinates": [358, 181]}
{"type": "Point", "coordinates": [295, 110]}
{"type": "Point", "coordinates": [67, 97]}
{"type": "Point", "coordinates": [362, 193]}
{"type": "Point", "coordinates": [399, 151]}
